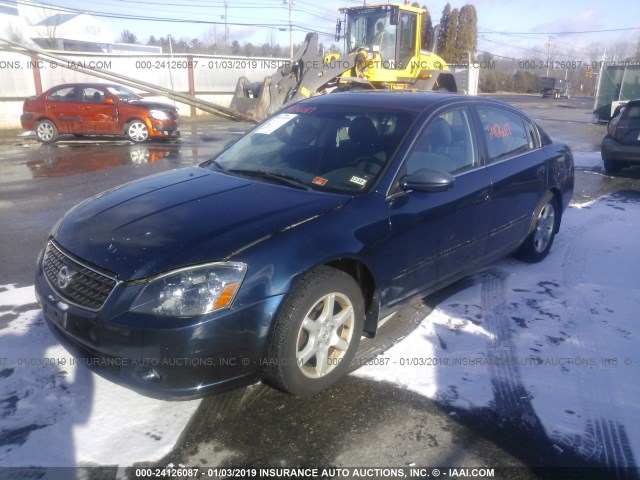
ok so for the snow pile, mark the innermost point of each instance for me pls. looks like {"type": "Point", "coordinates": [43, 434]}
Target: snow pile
{"type": "Point", "coordinates": [55, 412]}
{"type": "Point", "coordinates": [554, 343]}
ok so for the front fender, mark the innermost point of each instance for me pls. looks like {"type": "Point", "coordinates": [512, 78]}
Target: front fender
{"type": "Point", "coordinates": [353, 232]}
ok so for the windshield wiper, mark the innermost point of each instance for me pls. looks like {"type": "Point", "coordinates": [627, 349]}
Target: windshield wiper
{"type": "Point", "coordinates": [278, 177]}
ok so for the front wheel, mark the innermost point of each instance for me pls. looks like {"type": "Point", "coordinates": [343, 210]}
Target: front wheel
{"type": "Point", "coordinates": [316, 334]}
{"type": "Point", "coordinates": [46, 131]}
{"type": "Point", "coordinates": [537, 245]}
{"type": "Point", "coordinates": [137, 131]}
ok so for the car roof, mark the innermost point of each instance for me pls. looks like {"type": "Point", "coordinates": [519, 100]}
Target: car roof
{"type": "Point", "coordinates": [399, 99]}
{"type": "Point", "coordinates": [85, 84]}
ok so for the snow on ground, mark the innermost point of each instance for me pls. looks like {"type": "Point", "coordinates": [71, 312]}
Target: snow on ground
{"type": "Point", "coordinates": [54, 413]}
{"type": "Point", "coordinates": [556, 341]}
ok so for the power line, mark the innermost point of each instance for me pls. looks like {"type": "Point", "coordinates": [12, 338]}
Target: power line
{"type": "Point", "coordinates": [563, 33]}
{"type": "Point", "coordinates": [296, 26]}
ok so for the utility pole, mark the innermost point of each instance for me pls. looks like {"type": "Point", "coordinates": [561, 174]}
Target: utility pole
{"type": "Point", "coordinates": [548, 54]}
{"type": "Point", "coordinates": [290, 4]}
{"type": "Point", "coordinates": [226, 26]}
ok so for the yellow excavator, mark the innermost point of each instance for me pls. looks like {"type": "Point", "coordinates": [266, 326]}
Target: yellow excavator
{"type": "Point", "coordinates": [383, 42]}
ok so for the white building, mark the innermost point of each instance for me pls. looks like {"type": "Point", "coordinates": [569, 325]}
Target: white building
{"type": "Point", "coordinates": [57, 29]}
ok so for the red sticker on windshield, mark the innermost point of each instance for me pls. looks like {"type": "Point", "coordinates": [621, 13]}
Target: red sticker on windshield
{"type": "Point", "coordinates": [300, 109]}
{"type": "Point", "coordinates": [320, 181]}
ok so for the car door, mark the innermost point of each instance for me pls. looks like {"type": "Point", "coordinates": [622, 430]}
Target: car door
{"type": "Point", "coordinates": [63, 107]}
{"type": "Point", "coordinates": [440, 235]}
{"type": "Point", "coordinates": [516, 164]}
{"type": "Point", "coordinates": [98, 112]}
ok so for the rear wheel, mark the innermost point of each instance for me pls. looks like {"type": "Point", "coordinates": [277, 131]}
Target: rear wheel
{"type": "Point", "coordinates": [46, 131]}
{"type": "Point", "coordinates": [538, 243]}
{"type": "Point", "coordinates": [137, 131]}
{"type": "Point", "coordinates": [316, 334]}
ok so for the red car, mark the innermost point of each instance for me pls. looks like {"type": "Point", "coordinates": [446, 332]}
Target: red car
{"type": "Point", "coordinates": [97, 109]}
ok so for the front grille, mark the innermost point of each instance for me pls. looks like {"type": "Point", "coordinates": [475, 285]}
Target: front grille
{"type": "Point", "coordinates": [77, 283]}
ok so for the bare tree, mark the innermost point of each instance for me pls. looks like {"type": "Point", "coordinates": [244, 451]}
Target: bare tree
{"type": "Point", "coordinates": [46, 23]}
{"type": "Point", "coordinates": [14, 34]}
{"type": "Point", "coordinates": [271, 41]}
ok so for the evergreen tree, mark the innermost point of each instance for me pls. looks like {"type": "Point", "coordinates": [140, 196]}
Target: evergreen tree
{"type": "Point", "coordinates": [467, 33]}
{"type": "Point", "coordinates": [426, 27]}
{"type": "Point", "coordinates": [127, 37]}
{"type": "Point", "coordinates": [449, 48]}
{"type": "Point", "coordinates": [444, 25]}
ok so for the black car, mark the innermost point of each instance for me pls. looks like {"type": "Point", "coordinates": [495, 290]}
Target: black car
{"type": "Point", "coordinates": [621, 147]}
{"type": "Point", "coordinates": [272, 259]}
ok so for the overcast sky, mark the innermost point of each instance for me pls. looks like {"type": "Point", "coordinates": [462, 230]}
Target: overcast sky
{"type": "Point", "coordinates": [517, 28]}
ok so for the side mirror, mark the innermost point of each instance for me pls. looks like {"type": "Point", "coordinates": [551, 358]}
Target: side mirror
{"type": "Point", "coordinates": [427, 180]}
{"type": "Point", "coordinates": [109, 101]}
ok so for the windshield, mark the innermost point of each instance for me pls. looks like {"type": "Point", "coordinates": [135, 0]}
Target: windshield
{"type": "Point", "coordinates": [371, 28]}
{"type": "Point", "coordinates": [123, 93]}
{"type": "Point", "coordinates": [324, 147]}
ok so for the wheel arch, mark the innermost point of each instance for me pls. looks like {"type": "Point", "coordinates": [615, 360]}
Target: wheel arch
{"type": "Point", "coordinates": [364, 277]}
{"type": "Point", "coordinates": [557, 197]}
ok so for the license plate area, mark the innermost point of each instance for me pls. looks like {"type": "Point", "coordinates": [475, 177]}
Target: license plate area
{"type": "Point", "coordinates": [56, 315]}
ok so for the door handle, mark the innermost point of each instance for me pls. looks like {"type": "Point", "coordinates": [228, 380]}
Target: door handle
{"type": "Point", "coordinates": [482, 197]}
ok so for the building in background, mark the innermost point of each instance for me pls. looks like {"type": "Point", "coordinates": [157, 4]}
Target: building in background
{"type": "Point", "coordinates": [55, 29]}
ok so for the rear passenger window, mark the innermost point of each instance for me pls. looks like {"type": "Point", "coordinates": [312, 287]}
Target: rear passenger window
{"type": "Point", "coordinates": [505, 133]}
{"type": "Point", "coordinates": [92, 95]}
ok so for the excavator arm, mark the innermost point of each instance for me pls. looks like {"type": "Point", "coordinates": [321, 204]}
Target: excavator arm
{"type": "Point", "coordinates": [309, 74]}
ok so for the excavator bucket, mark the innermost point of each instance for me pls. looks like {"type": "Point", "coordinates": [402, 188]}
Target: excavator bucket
{"type": "Point", "coordinates": [308, 75]}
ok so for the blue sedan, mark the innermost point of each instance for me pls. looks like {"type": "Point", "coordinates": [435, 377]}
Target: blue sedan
{"type": "Point", "coordinates": [274, 258]}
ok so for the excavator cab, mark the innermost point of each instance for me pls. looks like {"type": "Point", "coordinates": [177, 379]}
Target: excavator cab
{"type": "Point", "coordinates": [384, 32]}
{"type": "Point", "coordinates": [388, 37]}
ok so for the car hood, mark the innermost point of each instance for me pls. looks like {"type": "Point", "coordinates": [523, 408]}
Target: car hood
{"type": "Point", "coordinates": [180, 218]}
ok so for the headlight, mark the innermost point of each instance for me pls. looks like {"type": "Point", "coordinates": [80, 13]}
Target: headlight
{"type": "Point", "coordinates": [159, 115]}
{"type": "Point", "coordinates": [191, 291]}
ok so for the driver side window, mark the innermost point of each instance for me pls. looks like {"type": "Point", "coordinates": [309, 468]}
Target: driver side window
{"type": "Point", "coordinates": [447, 144]}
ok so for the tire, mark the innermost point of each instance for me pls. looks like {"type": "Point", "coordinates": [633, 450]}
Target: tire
{"type": "Point", "coordinates": [310, 348]}
{"type": "Point", "coordinates": [137, 131]}
{"type": "Point", "coordinates": [612, 166]}
{"type": "Point", "coordinates": [46, 131]}
{"type": "Point", "coordinates": [546, 220]}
